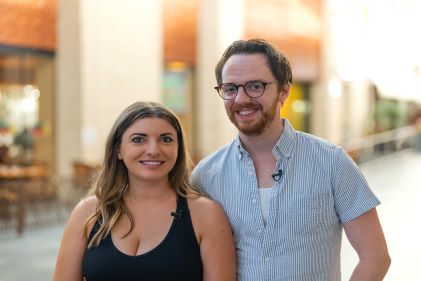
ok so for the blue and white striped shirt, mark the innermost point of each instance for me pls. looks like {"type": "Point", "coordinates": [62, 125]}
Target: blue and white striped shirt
{"type": "Point", "coordinates": [320, 189]}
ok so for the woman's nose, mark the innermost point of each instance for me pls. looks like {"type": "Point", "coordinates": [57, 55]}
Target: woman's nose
{"type": "Point", "coordinates": [153, 148]}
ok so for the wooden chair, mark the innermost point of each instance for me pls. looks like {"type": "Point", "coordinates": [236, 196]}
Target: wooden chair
{"type": "Point", "coordinates": [11, 194]}
{"type": "Point", "coordinates": [8, 201]}
{"type": "Point", "coordinates": [41, 195]}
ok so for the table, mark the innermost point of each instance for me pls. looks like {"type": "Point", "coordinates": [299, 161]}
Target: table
{"type": "Point", "coordinates": [20, 184]}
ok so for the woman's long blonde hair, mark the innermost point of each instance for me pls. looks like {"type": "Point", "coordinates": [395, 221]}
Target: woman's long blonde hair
{"type": "Point", "coordinates": [112, 178]}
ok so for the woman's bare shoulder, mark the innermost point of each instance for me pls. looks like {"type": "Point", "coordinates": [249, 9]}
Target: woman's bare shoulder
{"type": "Point", "coordinates": [205, 208]}
{"type": "Point", "coordinates": [86, 205]}
{"type": "Point", "coordinates": [80, 214]}
{"type": "Point", "coordinates": [84, 209]}
{"type": "Point", "coordinates": [210, 224]}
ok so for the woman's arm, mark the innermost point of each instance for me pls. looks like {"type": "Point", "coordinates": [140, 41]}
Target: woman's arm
{"type": "Point", "coordinates": [74, 242]}
{"type": "Point", "coordinates": [214, 234]}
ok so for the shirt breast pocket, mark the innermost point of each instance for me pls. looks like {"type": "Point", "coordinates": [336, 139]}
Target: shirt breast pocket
{"type": "Point", "coordinates": [311, 213]}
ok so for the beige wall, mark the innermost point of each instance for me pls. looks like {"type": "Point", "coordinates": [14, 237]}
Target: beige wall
{"type": "Point", "coordinates": [218, 27]}
{"type": "Point", "coordinates": [105, 62]}
{"type": "Point", "coordinates": [68, 87]}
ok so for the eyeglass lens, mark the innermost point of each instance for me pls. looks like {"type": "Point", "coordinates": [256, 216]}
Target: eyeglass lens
{"type": "Point", "coordinates": [253, 89]}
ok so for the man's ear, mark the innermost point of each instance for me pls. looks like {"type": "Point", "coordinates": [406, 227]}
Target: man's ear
{"type": "Point", "coordinates": [284, 94]}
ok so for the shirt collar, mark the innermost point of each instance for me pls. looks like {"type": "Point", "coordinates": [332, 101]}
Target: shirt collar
{"type": "Point", "coordinates": [239, 148]}
{"type": "Point", "coordinates": [282, 148]}
{"type": "Point", "coordinates": [286, 142]}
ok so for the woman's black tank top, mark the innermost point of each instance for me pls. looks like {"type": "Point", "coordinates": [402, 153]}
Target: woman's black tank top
{"type": "Point", "coordinates": [176, 258]}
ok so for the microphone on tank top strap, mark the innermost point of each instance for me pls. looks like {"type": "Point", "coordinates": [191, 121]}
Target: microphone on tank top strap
{"type": "Point", "coordinates": [177, 214]}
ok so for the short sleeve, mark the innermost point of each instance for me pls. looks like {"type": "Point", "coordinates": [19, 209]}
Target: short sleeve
{"type": "Point", "coordinates": [352, 194]}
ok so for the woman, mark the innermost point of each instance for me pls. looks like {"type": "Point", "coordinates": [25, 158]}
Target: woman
{"type": "Point", "coordinates": [142, 219]}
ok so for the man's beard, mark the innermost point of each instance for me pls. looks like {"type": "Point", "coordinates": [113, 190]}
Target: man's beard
{"type": "Point", "coordinates": [255, 128]}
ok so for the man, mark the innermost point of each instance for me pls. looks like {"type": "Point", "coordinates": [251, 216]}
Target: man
{"type": "Point", "coordinates": [287, 194]}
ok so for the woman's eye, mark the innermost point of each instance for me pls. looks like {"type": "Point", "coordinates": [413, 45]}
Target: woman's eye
{"type": "Point", "coordinates": [166, 139]}
{"type": "Point", "coordinates": [138, 139]}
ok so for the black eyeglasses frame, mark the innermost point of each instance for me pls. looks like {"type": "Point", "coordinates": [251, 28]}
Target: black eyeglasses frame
{"type": "Point", "coordinates": [237, 86]}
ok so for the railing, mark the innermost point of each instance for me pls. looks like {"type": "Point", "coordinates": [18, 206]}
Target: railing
{"type": "Point", "coordinates": [372, 146]}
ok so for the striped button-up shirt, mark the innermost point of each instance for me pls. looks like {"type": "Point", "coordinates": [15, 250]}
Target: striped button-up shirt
{"type": "Point", "coordinates": [320, 189]}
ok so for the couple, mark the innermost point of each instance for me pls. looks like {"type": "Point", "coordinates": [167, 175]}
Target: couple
{"type": "Point", "coordinates": [287, 195]}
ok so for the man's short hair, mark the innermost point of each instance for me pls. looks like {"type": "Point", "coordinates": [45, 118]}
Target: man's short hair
{"type": "Point", "coordinates": [278, 63]}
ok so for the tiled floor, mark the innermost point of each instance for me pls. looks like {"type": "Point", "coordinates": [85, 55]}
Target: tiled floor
{"type": "Point", "coordinates": [31, 256]}
{"type": "Point", "coordinates": [396, 180]}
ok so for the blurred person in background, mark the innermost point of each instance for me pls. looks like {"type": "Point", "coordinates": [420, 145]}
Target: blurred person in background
{"type": "Point", "coordinates": [416, 121]}
{"type": "Point", "coordinates": [287, 194]}
{"type": "Point", "coordinates": [25, 143]}
{"type": "Point", "coordinates": [142, 219]}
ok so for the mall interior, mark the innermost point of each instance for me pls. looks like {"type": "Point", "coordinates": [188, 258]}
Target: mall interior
{"type": "Point", "coordinates": [69, 67]}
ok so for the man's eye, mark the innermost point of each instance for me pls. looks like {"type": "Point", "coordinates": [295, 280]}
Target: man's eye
{"type": "Point", "coordinates": [257, 86]}
{"type": "Point", "coordinates": [229, 89]}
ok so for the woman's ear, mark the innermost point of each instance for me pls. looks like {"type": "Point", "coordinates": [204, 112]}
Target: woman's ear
{"type": "Point", "coordinates": [119, 156]}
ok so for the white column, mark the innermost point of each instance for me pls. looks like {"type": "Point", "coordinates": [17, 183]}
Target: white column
{"type": "Point", "coordinates": [220, 23]}
{"type": "Point", "coordinates": [357, 116]}
{"type": "Point", "coordinates": [68, 87]}
{"type": "Point", "coordinates": [118, 61]}
{"type": "Point", "coordinates": [326, 115]}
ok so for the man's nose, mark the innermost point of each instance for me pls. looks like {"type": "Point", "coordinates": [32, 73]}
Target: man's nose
{"type": "Point", "coordinates": [241, 95]}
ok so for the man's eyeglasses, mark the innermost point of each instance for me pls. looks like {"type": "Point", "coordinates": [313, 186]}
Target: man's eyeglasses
{"type": "Point", "coordinates": [253, 89]}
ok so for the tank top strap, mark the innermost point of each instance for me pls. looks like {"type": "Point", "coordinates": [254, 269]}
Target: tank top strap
{"type": "Point", "coordinates": [182, 203]}
{"type": "Point", "coordinates": [94, 229]}
{"type": "Point", "coordinates": [182, 208]}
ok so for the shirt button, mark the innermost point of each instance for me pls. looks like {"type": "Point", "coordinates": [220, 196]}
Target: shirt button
{"type": "Point", "coordinates": [253, 200]}
{"type": "Point", "coordinates": [259, 231]}
{"type": "Point", "coordinates": [266, 259]}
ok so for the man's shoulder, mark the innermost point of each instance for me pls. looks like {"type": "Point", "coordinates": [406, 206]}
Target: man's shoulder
{"type": "Point", "coordinates": [310, 141]}
{"type": "Point", "coordinates": [210, 167]}
{"type": "Point", "coordinates": [216, 158]}
{"type": "Point", "coordinates": [325, 152]}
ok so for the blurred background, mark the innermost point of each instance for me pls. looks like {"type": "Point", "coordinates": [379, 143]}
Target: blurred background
{"type": "Point", "coordinates": [69, 67]}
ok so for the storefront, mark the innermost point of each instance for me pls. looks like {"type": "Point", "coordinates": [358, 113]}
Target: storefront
{"type": "Point", "coordinates": [27, 49]}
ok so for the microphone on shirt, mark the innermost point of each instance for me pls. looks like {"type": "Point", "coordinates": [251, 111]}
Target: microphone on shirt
{"type": "Point", "coordinates": [277, 176]}
{"type": "Point", "coordinates": [177, 214]}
